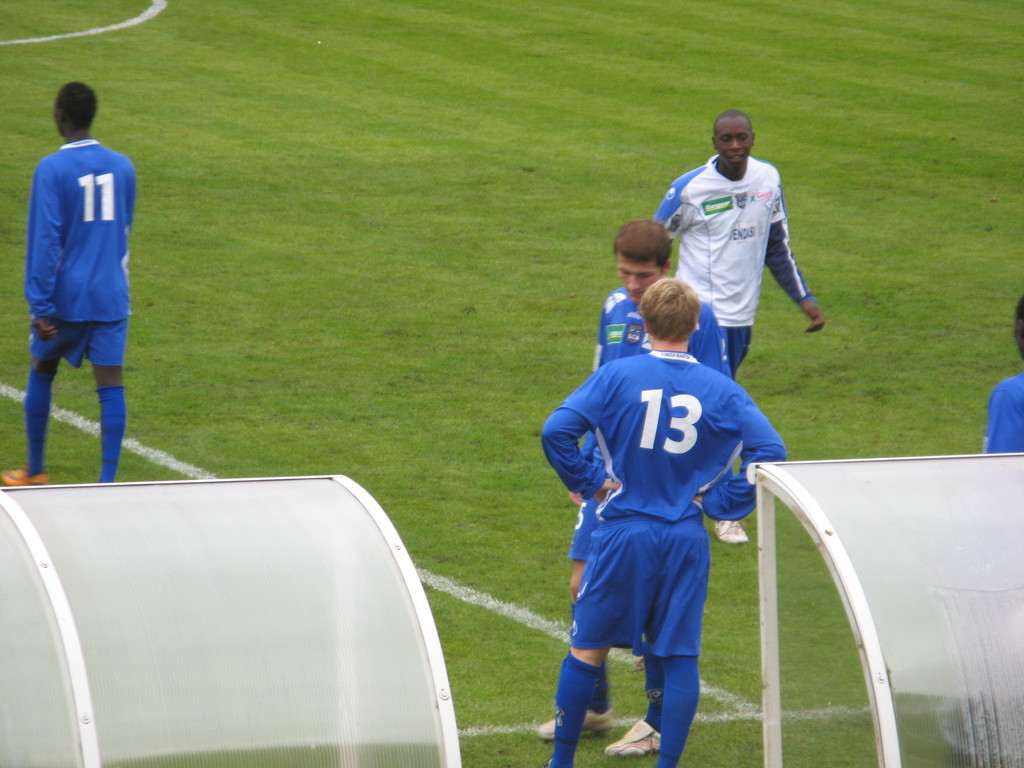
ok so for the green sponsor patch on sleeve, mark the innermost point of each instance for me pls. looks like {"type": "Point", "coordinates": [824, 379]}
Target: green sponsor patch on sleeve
{"type": "Point", "coordinates": [613, 333]}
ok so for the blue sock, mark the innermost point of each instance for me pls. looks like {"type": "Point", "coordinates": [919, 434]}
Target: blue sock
{"type": "Point", "coordinates": [38, 395]}
{"type": "Point", "coordinates": [113, 417]}
{"type": "Point", "coordinates": [682, 693]}
{"type": "Point", "coordinates": [575, 689]}
{"type": "Point", "coordinates": [655, 685]}
{"type": "Point", "coordinates": [601, 700]}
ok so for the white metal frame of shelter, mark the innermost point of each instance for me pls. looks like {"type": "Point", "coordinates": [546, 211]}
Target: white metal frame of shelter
{"type": "Point", "coordinates": [146, 620]}
{"type": "Point", "coordinates": [938, 617]}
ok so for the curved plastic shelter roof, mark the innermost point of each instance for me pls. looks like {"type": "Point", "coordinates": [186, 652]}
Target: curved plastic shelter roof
{"type": "Point", "coordinates": [928, 557]}
{"type": "Point", "coordinates": [268, 622]}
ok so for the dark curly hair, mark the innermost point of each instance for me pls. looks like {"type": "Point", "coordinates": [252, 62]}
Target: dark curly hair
{"type": "Point", "coordinates": [78, 102]}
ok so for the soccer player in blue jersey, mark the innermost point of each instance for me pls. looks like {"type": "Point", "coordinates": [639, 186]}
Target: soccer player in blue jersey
{"type": "Point", "coordinates": [730, 218]}
{"type": "Point", "coordinates": [643, 253]}
{"type": "Point", "coordinates": [76, 278]}
{"type": "Point", "coordinates": [1005, 432]}
{"type": "Point", "coordinates": [669, 430]}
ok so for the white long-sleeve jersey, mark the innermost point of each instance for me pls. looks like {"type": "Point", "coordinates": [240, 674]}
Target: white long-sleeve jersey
{"type": "Point", "coordinates": [728, 231]}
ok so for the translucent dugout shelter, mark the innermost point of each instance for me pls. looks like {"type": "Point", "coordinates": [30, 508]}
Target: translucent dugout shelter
{"type": "Point", "coordinates": [928, 558]}
{"type": "Point", "coordinates": [266, 622]}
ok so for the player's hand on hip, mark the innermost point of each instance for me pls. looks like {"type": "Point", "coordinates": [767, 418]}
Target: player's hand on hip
{"type": "Point", "coordinates": [609, 485]}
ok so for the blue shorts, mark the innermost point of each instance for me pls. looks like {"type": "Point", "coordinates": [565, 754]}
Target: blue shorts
{"type": "Point", "coordinates": [737, 344]}
{"type": "Point", "coordinates": [102, 343]}
{"type": "Point", "coordinates": [645, 579]}
{"type": "Point", "coordinates": [586, 521]}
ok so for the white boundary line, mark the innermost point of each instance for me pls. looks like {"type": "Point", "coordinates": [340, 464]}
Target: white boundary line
{"type": "Point", "coordinates": [156, 7]}
{"type": "Point", "coordinates": [744, 709]}
{"type": "Point", "coordinates": [827, 713]}
{"type": "Point", "coordinates": [90, 427]}
{"type": "Point", "coordinates": [741, 708]}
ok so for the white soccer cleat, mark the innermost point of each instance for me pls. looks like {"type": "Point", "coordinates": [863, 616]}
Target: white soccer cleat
{"type": "Point", "coordinates": [640, 740]}
{"type": "Point", "coordinates": [731, 532]}
{"type": "Point", "coordinates": [598, 722]}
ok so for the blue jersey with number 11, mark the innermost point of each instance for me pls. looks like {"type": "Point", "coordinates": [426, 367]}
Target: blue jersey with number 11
{"type": "Point", "coordinates": [670, 430]}
{"type": "Point", "coordinates": [80, 214]}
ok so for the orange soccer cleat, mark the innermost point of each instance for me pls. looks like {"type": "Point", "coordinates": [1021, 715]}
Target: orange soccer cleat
{"type": "Point", "coordinates": [21, 476]}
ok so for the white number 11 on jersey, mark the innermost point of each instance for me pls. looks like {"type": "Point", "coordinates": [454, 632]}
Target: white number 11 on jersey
{"type": "Point", "coordinates": [88, 184]}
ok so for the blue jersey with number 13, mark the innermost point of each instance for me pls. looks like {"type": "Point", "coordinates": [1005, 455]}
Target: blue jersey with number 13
{"type": "Point", "coordinates": [670, 430]}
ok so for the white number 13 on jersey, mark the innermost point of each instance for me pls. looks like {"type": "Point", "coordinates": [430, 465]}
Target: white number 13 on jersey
{"type": "Point", "coordinates": [106, 184]}
{"type": "Point", "coordinates": [684, 424]}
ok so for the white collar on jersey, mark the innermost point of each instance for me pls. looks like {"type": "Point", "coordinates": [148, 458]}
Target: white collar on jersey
{"type": "Point", "coordinates": [669, 355]}
{"type": "Point", "coordinates": [82, 143]}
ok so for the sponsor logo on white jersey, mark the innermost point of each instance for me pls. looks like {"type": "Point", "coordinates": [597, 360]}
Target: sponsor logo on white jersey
{"type": "Point", "coordinates": [744, 231]}
{"type": "Point", "coordinates": [718, 205]}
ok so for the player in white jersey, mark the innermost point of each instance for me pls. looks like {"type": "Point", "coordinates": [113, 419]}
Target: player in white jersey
{"type": "Point", "coordinates": [1005, 431]}
{"type": "Point", "coordinates": [670, 431]}
{"type": "Point", "coordinates": [730, 218]}
{"type": "Point", "coordinates": [76, 278]}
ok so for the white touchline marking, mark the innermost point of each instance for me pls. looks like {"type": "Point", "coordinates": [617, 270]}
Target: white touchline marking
{"type": "Point", "coordinates": [156, 7]}
{"type": "Point", "coordinates": [826, 713]}
{"type": "Point", "coordinates": [561, 632]}
{"type": "Point", "coordinates": [741, 709]}
{"type": "Point", "coordinates": [91, 427]}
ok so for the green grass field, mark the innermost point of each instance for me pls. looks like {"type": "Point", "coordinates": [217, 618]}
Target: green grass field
{"type": "Point", "coordinates": [373, 239]}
